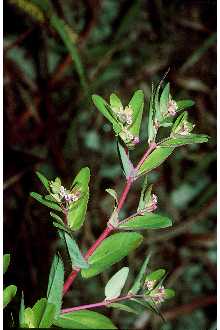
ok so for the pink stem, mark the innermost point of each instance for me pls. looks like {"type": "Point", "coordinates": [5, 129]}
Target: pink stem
{"type": "Point", "coordinates": [110, 228]}
{"type": "Point", "coordinates": [147, 153]}
{"type": "Point", "coordinates": [95, 305]}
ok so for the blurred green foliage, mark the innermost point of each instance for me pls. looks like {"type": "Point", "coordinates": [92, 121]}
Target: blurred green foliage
{"type": "Point", "coordinates": [50, 125]}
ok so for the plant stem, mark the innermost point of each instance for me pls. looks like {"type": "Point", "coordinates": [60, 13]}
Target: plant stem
{"type": "Point", "coordinates": [152, 146]}
{"type": "Point", "coordinates": [109, 228]}
{"type": "Point", "coordinates": [103, 303]}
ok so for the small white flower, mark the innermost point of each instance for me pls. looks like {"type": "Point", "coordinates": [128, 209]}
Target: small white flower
{"type": "Point", "coordinates": [159, 295]}
{"type": "Point", "coordinates": [67, 196]}
{"type": "Point", "coordinates": [186, 128]}
{"type": "Point", "coordinates": [149, 284]}
{"type": "Point", "coordinates": [62, 192]}
{"type": "Point", "coordinates": [172, 107]}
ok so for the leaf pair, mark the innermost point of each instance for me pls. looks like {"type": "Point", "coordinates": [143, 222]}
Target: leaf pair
{"type": "Point", "coordinates": [128, 132]}
{"type": "Point", "coordinates": [41, 315]}
{"type": "Point", "coordinates": [75, 210]}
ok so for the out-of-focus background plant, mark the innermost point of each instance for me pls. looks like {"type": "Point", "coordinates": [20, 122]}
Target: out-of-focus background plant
{"type": "Point", "coordinates": [55, 56]}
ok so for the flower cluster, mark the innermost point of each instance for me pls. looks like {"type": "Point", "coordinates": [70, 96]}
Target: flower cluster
{"type": "Point", "coordinates": [151, 205]}
{"type": "Point", "coordinates": [124, 115]}
{"type": "Point", "coordinates": [149, 284]}
{"type": "Point", "coordinates": [172, 107]}
{"type": "Point", "coordinates": [158, 295]}
{"type": "Point", "coordinates": [67, 196]}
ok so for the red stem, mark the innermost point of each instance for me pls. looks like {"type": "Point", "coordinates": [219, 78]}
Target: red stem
{"type": "Point", "coordinates": [95, 305]}
{"type": "Point", "coordinates": [109, 228]}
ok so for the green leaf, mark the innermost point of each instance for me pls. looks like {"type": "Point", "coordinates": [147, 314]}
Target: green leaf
{"type": "Point", "coordinates": [115, 101]}
{"type": "Point", "coordinates": [137, 104]}
{"type": "Point", "coordinates": [169, 293]}
{"type": "Point", "coordinates": [123, 307]}
{"type": "Point", "coordinates": [102, 106]}
{"type": "Point", "coordinates": [77, 211]}
{"type": "Point", "coordinates": [8, 294]}
{"type": "Point", "coordinates": [183, 104]}
{"type": "Point", "coordinates": [155, 159]}
{"type": "Point", "coordinates": [151, 129]}
{"type": "Point", "coordinates": [65, 34]}
{"type": "Point", "coordinates": [82, 179]}
{"type": "Point", "coordinates": [156, 275]}
{"type": "Point", "coordinates": [29, 318]}
{"type": "Point", "coordinates": [43, 180]}
{"type": "Point", "coordinates": [75, 254]}
{"type": "Point", "coordinates": [44, 313]}
{"type": "Point", "coordinates": [141, 204]}
{"type": "Point", "coordinates": [139, 281]}
{"type": "Point", "coordinates": [151, 306]}
{"type": "Point", "coordinates": [147, 221]}
{"type": "Point", "coordinates": [110, 251]}
{"type": "Point", "coordinates": [55, 185]}
{"type": "Point", "coordinates": [146, 197]}
{"type": "Point", "coordinates": [62, 228]}
{"type": "Point", "coordinates": [84, 319]}
{"type": "Point", "coordinates": [116, 283]}
{"type": "Point", "coordinates": [127, 165]}
{"type": "Point", "coordinates": [55, 283]}
{"type": "Point", "coordinates": [76, 214]}
{"type": "Point", "coordinates": [45, 202]}
{"type": "Point", "coordinates": [21, 311]}
{"type": "Point", "coordinates": [180, 140]}
{"type": "Point", "coordinates": [164, 99]}
{"type": "Point", "coordinates": [179, 120]}
{"type": "Point", "coordinates": [113, 193]}
{"type": "Point", "coordinates": [57, 218]}
{"type": "Point", "coordinates": [6, 262]}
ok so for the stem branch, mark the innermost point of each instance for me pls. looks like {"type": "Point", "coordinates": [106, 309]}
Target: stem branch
{"type": "Point", "coordinates": [109, 228]}
{"type": "Point", "coordinates": [103, 303]}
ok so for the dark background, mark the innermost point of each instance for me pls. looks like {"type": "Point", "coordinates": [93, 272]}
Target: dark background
{"type": "Point", "coordinates": [51, 125]}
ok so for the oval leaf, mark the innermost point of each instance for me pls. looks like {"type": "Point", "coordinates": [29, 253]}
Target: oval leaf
{"type": "Point", "coordinates": [155, 159]}
{"type": "Point", "coordinates": [137, 105]}
{"type": "Point", "coordinates": [45, 202]}
{"type": "Point", "coordinates": [110, 251]}
{"type": "Point", "coordinates": [84, 320]}
{"type": "Point", "coordinates": [164, 99]}
{"type": "Point", "coordinates": [75, 254]}
{"type": "Point", "coordinates": [115, 102]}
{"type": "Point", "coordinates": [123, 307]}
{"type": "Point", "coordinates": [127, 165]}
{"type": "Point", "coordinates": [116, 283]}
{"type": "Point", "coordinates": [148, 221]}
{"type": "Point", "coordinates": [6, 262]}
{"type": "Point", "coordinates": [8, 294]}
{"type": "Point", "coordinates": [139, 281]}
{"type": "Point", "coordinates": [183, 104]}
{"type": "Point", "coordinates": [44, 313]}
{"type": "Point", "coordinates": [76, 214]}
{"type": "Point", "coordinates": [102, 106]}
{"type": "Point", "coordinates": [169, 293]}
{"type": "Point", "coordinates": [43, 180]}
{"type": "Point", "coordinates": [156, 275]}
{"type": "Point", "coordinates": [55, 283]}
{"type": "Point", "coordinates": [77, 211]}
{"type": "Point", "coordinates": [183, 140]}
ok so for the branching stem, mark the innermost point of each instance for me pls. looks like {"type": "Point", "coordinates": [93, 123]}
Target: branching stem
{"type": "Point", "coordinates": [103, 303]}
{"type": "Point", "coordinates": [109, 228]}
